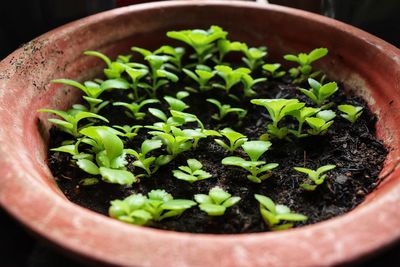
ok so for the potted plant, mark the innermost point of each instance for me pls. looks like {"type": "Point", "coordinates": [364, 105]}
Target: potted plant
{"type": "Point", "coordinates": [28, 190]}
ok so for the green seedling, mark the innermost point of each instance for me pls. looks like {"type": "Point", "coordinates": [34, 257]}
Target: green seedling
{"type": "Point", "coordinates": [304, 70]}
{"type": "Point", "coordinates": [136, 75]}
{"type": "Point", "coordinates": [71, 119]}
{"type": "Point", "coordinates": [176, 103]}
{"type": "Point", "coordinates": [235, 140]}
{"type": "Point", "coordinates": [159, 75]}
{"type": "Point", "coordinates": [109, 155]}
{"type": "Point", "coordinates": [301, 115]}
{"type": "Point", "coordinates": [176, 142]}
{"type": "Point", "coordinates": [128, 131]}
{"type": "Point", "coordinates": [316, 177]}
{"type": "Point", "coordinates": [93, 90]}
{"type": "Point", "coordinates": [141, 160]}
{"type": "Point", "coordinates": [225, 109]}
{"type": "Point", "coordinates": [278, 109]}
{"type": "Point", "coordinates": [185, 117]}
{"type": "Point", "coordinates": [320, 124]}
{"type": "Point", "coordinates": [254, 57]}
{"type": "Point", "coordinates": [202, 77]}
{"type": "Point", "coordinates": [202, 41]}
{"type": "Point", "coordinates": [114, 69]}
{"type": "Point", "coordinates": [216, 202]}
{"type": "Point", "coordinates": [230, 76]}
{"type": "Point", "coordinates": [350, 112]}
{"type": "Point", "coordinates": [124, 58]}
{"type": "Point", "coordinates": [131, 210]}
{"type": "Point", "coordinates": [318, 93]}
{"type": "Point", "coordinates": [248, 84]}
{"type": "Point", "coordinates": [175, 55]}
{"type": "Point", "coordinates": [277, 216]}
{"type": "Point", "coordinates": [142, 210]}
{"type": "Point", "coordinates": [259, 169]}
{"type": "Point", "coordinates": [191, 173]}
{"type": "Point", "coordinates": [272, 70]}
{"type": "Point", "coordinates": [198, 134]}
{"type": "Point", "coordinates": [226, 46]}
{"type": "Point", "coordinates": [134, 108]}
{"type": "Point", "coordinates": [177, 119]}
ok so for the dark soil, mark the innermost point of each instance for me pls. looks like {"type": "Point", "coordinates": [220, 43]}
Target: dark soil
{"type": "Point", "coordinates": [353, 148]}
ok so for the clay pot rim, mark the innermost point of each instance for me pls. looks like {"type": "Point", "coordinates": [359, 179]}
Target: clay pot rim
{"type": "Point", "coordinates": [87, 250]}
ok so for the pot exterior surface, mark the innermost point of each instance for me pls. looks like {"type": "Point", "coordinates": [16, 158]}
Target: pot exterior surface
{"type": "Point", "coordinates": [366, 64]}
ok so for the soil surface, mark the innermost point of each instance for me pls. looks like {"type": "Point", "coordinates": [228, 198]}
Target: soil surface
{"type": "Point", "coordinates": [353, 148]}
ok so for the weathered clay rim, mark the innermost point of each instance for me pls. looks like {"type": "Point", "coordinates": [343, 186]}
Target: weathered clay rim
{"type": "Point", "coordinates": [164, 246]}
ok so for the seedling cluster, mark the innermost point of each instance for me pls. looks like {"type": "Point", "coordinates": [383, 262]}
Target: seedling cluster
{"type": "Point", "coordinates": [163, 126]}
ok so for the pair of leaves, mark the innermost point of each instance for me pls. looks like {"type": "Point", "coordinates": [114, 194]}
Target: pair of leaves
{"type": "Point", "coordinates": [216, 202]}
{"type": "Point", "coordinates": [273, 214]}
{"type": "Point", "coordinates": [191, 173]}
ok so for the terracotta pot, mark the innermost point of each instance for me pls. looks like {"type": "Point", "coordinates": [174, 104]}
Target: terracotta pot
{"type": "Point", "coordinates": [27, 189]}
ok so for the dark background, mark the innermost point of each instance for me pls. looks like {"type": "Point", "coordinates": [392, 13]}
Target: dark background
{"type": "Point", "coordinates": [21, 21]}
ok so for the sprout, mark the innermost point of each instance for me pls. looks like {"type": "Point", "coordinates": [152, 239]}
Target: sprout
{"type": "Point", "coordinates": [275, 216]}
{"type": "Point", "coordinates": [176, 142]}
{"type": "Point", "coordinates": [131, 210]}
{"type": "Point", "coordinates": [318, 93]}
{"type": "Point", "coordinates": [226, 46]}
{"type": "Point", "coordinates": [254, 149]}
{"type": "Point", "coordinates": [301, 115]}
{"type": "Point", "coordinates": [93, 90]}
{"type": "Point", "coordinates": [304, 70]}
{"type": "Point", "coordinates": [235, 140]}
{"type": "Point", "coordinates": [351, 113]}
{"type": "Point", "coordinates": [254, 56]}
{"type": "Point", "coordinates": [141, 160]}
{"type": "Point", "coordinates": [72, 117]}
{"type": "Point", "coordinates": [225, 109]}
{"type": "Point", "coordinates": [114, 69]}
{"type": "Point", "coordinates": [175, 55]}
{"type": "Point", "coordinates": [198, 134]}
{"type": "Point", "coordinates": [128, 131]}
{"type": "Point", "coordinates": [216, 202]}
{"type": "Point", "coordinates": [278, 109]}
{"type": "Point", "coordinates": [191, 173]}
{"type": "Point", "coordinates": [202, 77]}
{"type": "Point", "coordinates": [230, 76]}
{"type": "Point", "coordinates": [176, 103]}
{"type": "Point", "coordinates": [272, 70]}
{"type": "Point", "coordinates": [136, 74]}
{"type": "Point", "coordinates": [159, 75]}
{"type": "Point", "coordinates": [320, 124]}
{"type": "Point", "coordinates": [203, 42]}
{"type": "Point", "coordinates": [248, 83]}
{"type": "Point", "coordinates": [142, 210]}
{"type": "Point", "coordinates": [316, 177]}
{"type": "Point", "coordinates": [135, 108]}
{"type": "Point", "coordinates": [110, 155]}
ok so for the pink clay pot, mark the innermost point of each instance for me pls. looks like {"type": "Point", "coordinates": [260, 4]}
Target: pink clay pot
{"type": "Point", "coordinates": [368, 65]}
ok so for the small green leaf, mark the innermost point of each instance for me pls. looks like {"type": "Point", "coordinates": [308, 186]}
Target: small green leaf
{"type": "Point", "coordinates": [88, 166]}
{"type": "Point", "coordinates": [256, 148]}
{"type": "Point", "coordinates": [212, 209]}
{"type": "Point", "coordinates": [202, 199]}
{"type": "Point", "coordinates": [113, 176]}
{"type": "Point", "coordinates": [266, 202]}
{"type": "Point", "coordinates": [218, 195]}
{"type": "Point", "coordinates": [178, 204]}
{"type": "Point", "coordinates": [150, 145]}
{"type": "Point", "coordinates": [230, 202]}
